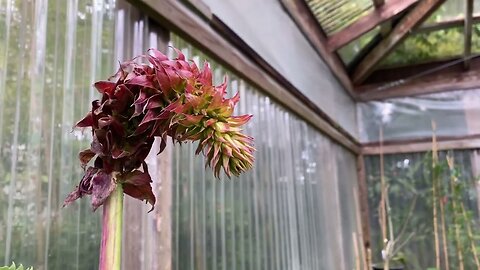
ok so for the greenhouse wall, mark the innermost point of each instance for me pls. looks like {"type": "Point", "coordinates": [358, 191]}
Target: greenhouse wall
{"type": "Point", "coordinates": [296, 210]}
{"type": "Point", "coordinates": [280, 42]}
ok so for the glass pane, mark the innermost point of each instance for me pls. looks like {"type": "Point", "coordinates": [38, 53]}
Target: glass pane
{"type": "Point", "coordinates": [424, 47]}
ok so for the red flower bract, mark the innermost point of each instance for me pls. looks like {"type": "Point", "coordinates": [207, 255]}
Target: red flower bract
{"type": "Point", "coordinates": [164, 98]}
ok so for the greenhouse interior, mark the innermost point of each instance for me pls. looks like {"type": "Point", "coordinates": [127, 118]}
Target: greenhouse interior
{"type": "Point", "coordinates": [236, 135]}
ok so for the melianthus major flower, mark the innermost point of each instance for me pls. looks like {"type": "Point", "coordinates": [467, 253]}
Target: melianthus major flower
{"type": "Point", "coordinates": [166, 98]}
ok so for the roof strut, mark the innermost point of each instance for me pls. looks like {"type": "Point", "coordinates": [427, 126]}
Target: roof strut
{"type": "Point", "coordinates": [414, 18]}
{"type": "Point", "coordinates": [369, 21]}
{"type": "Point", "coordinates": [468, 33]}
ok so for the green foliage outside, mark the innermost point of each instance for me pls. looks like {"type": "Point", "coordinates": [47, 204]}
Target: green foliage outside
{"type": "Point", "coordinates": [423, 47]}
{"type": "Point", "coordinates": [437, 45]}
{"type": "Point", "coordinates": [410, 176]}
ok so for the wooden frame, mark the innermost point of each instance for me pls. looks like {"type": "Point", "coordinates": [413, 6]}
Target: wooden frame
{"type": "Point", "coordinates": [201, 8]}
{"type": "Point", "coordinates": [174, 15]}
{"type": "Point", "coordinates": [415, 17]}
{"type": "Point", "coordinates": [468, 33]}
{"type": "Point", "coordinates": [447, 24]}
{"type": "Point", "coordinates": [448, 79]}
{"type": "Point", "coordinates": [362, 69]}
{"type": "Point", "coordinates": [363, 201]}
{"type": "Point", "coordinates": [366, 23]}
{"type": "Point", "coordinates": [311, 29]}
{"type": "Point", "coordinates": [422, 145]}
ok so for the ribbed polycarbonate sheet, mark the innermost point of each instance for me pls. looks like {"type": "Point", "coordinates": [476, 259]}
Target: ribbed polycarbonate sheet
{"type": "Point", "coordinates": [333, 16]}
{"type": "Point", "coordinates": [297, 209]}
{"type": "Point", "coordinates": [50, 53]}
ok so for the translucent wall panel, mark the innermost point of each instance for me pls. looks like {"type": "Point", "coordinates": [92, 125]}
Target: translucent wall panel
{"type": "Point", "coordinates": [295, 210]}
{"type": "Point", "coordinates": [455, 113]}
{"type": "Point", "coordinates": [50, 53]}
{"type": "Point", "coordinates": [409, 176]}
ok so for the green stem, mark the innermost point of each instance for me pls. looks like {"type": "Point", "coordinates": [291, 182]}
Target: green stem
{"type": "Point", "coordinates": [111, 246]}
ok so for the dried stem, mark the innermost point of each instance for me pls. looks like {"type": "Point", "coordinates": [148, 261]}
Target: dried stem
{"type": "Point", "coordinates": [409, 215]}
{"type": "Point", "coordinates": [111, 246]}
{"type": "Point", "coordinates": [456, 224]}
{"type": "Point", "coordinates": [383, 206]}
{"type": "Point", "coordinates": [434, 188]}
{"type": "Point", "coordinates": [444, 235]}
{"type": "Point", "coordinates": [470, 236]}
{"type": "Point", "coordinates": [357, 253]}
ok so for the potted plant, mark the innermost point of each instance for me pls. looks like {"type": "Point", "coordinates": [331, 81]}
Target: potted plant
{"type": "Point", "coordinates": [143, 101]}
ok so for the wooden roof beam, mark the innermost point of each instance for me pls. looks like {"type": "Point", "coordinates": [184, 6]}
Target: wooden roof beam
{"type": "Point", "coordinates": [468, 33]}
{"type": "Point", "coordinates": [422, 145]}
{"type": "Point", "coordinates": [366, 23]}
{"type": "Point", "coordinates": [455, 78]}
{"type": "Point", "coordinates": [308, 24]}
{"type": "Point", "coordinates": [414, 18]}
{"type": "Point", "coordinates": [447, 24]}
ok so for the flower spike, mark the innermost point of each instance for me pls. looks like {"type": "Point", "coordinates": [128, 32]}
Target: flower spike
{"type": "Point", "coordinates": [169, 97]}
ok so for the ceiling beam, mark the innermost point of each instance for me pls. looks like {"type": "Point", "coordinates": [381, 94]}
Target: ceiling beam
{"type": "Point", "coordinates": [454, 78]}
{"type": "Point", "coordinates": [422, 145]}
{"type": "Point", "coordinates": [443, 25]}
{"type": "Point", "coordinates": [308, 24]}
{"type": "Point", "coordinates": [468, 33]}
{"type": "Point", "coordinates": [415, 17]}
{"type": "Point", "coordinates": [366, 23]}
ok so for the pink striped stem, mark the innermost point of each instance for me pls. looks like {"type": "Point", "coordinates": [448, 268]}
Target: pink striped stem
{"type": "Point", "coordinates": [111, 246]}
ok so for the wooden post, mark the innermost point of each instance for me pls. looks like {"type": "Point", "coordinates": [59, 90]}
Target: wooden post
{"type": "Point", "coordinates": [468, 33]}
{"type": "Point", "coordinates": [363, 202]}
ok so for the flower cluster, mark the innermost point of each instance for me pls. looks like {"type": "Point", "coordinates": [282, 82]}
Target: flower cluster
{"type": "Point", "coordinates": [165, 98]}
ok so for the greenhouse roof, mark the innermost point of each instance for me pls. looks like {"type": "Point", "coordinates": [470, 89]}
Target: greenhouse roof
{"type": "Point", "coordinates": [388, 48]}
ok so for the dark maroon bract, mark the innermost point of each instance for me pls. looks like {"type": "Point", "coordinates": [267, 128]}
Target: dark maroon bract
{"type": "Point", "coordinates": [163, 98]}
